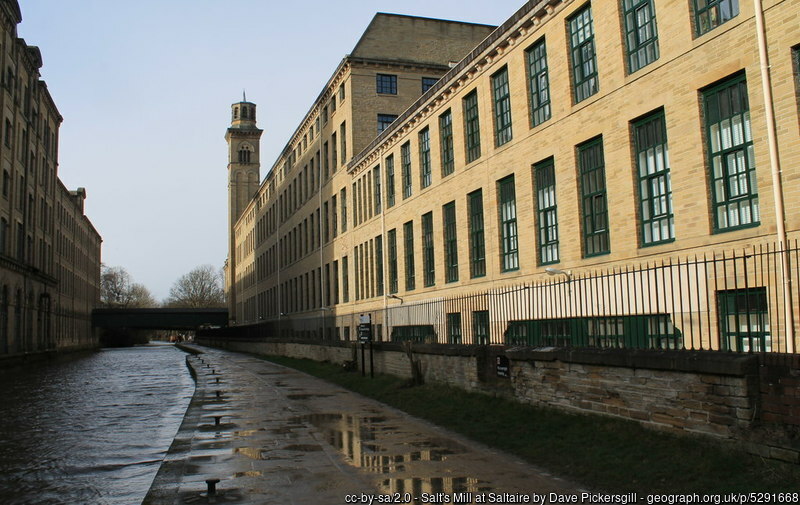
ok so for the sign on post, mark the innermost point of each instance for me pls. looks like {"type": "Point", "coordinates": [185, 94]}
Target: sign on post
{"type": "Point", "coordinates": [364, 329]}
{"type": "Point", "coordinates": [503, 367]}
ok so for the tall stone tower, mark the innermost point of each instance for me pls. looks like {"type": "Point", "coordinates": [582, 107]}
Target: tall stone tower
{"type": "Point", "coordinates": [244, 176]}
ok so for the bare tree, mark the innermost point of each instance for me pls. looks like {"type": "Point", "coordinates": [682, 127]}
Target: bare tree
{"type": "Point", "coordinates": [202, 287]}
{"type": "Point", "coordinates": [115, 286]}
{"type": "Point", "coordinates": [141, 297]}
{"type": "Point", "coordinates": [117, 289]}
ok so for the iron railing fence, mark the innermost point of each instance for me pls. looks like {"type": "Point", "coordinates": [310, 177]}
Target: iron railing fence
{"type": "Point", "coordinates": [739, 301]}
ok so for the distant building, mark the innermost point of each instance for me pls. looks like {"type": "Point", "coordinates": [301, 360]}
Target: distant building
{"type": "Point", "coordinates": [49, 250]}
{"type": "Point", "coordinates": [567, 148]}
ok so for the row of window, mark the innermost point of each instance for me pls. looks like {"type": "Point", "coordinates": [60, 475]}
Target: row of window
{"type": "Point", "coordinates": [386, 84]}
{"type": "Point", "coordinates": [732, 175]}
{"type": "Point", "coordinates": [743, 320]}
{"type": "Point", "coordinates": [642, 45]}
{"type": "Point", "coordinates": [641, 38]}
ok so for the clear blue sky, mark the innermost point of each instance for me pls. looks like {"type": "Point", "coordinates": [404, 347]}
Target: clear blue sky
{"type": "Point", "coordinates": [145, 89]}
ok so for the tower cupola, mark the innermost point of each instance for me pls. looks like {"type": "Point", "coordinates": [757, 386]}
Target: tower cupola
{"type": "Point", "coordinates": [243, 114]}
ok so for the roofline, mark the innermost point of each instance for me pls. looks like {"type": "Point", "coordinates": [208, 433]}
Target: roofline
{"type": "Point", "coordinates": [69, 195]}
{"type": "Point", "coordinates": [377, 14]}
{"type": "Point", "coordinates": [523, 15]}
{"type": "Point", "coordinates": [433, 19]}
{"type": "Point", "coordinates": [348, 59]}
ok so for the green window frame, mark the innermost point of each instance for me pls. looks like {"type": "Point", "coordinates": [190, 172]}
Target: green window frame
{"type": "Point", "coordinates": [428, 258]}
{"type": "Point", "coordinates": [425, 157]}
{"type": "Point", "coordinates": [472, 126]}
{"type": "Point", "coordinates": [509, 244]}
{"type": "Point", "coordinates": [345, 281]}
{"type": "Point", "coordinates": [709, 14]}
{"type": "Point", "coordinates": [450, 242]}
{"type": "Point", "coordinates": [657, 223]}
{"type": "Point", "coordinates": [343, 142]}
{"type": "Point", "coordinates": [502, 107]}
{"type": "Point", "coordinates": [390, 181]}
{"type": "Point", "coordinates": [546, 211]}
{"type": "Point", "coordinates": [480, 327]}
{"type": "Point", "coordinates": [379, 265]}
{"type": "Point", "coordinates": [405, 161]}
{"type": "Point", "coordinates": [734, 188]}
{"type": "Point", "coordinates": [376, 188]}
{"type": "Point", "coordinates": [408, 235]}
{"type": "Point", "coordinates": [744, 320]}
{"type": "Point", "coordinates": [594, 203]}
{"type": "Point", "coordinates": [477, 239]}
{"type": "Point", "coordinates": [343, 205]}
{"type": "Point", "coordinates": [446, 141]}
{"type": "Point", "coordinates": [539, 83]}
{"type": "Point", "coordinates": [334, 154]}
{"type": "Point", "coordinates": [652, 331]}
{"type": "Point", "coordinates": [584, 57]}
{"type": "Point", "coordinates": [796, 71]}
{"type": "Point", "coordinates": [641, 33]}
{"type": "Point", "coordinates": [392, 239]}
{"type": "Point", "coordinates": [454, 328]}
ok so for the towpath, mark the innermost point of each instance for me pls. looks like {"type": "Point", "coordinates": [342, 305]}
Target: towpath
{"type": "Point", "coordinates": [273, 435]}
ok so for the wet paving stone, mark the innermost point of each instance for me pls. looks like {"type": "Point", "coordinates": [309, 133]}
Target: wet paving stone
{"type": "Point", "coordinates": [286, 437]}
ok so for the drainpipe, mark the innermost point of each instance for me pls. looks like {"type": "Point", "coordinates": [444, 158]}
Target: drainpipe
{"type": "Point", "coordinates": [777, 183]}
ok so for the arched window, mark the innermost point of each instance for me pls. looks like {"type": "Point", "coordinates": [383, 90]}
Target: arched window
{"type": "Point", "coordinates": [236, 113]}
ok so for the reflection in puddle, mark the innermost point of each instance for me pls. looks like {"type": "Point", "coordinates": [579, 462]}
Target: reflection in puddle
{"type": "Point", "coordinates": [465, 489]}
{"type": "Point", "coordinates": [250, 452]}
{"type": "Point", "coordinates": [372, 444]}
{"type": "Point", "coordinates": [302, 448]}
{"type": "Point", "coordinates": [247, 433]}
{"type": "Point", "coordinates": [304, 396]}
{"type": "Point", "coordinates": [251, 473]}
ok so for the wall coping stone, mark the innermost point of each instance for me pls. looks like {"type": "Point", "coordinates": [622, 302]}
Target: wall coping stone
{"type": "Point", "coordinates": [706, 362]}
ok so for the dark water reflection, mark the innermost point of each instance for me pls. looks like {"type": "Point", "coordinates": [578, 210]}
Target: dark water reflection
{"type": "Point", "coordinates": [90, 430]}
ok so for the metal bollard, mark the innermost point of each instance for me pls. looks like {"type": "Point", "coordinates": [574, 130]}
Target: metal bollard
{"type": "Point", "coordinates": [216, 420]}
{"type": "Point", "coordinates": [219, 394]}
{"type": "Point", "coordinates": [217, 380]}
{"type": "Point", "coordinates": [212, 486]}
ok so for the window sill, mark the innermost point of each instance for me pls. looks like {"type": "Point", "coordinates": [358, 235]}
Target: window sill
{"type": "Point", "coordinates": [735, 228]}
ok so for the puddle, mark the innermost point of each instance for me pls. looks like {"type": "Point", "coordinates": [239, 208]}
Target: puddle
{"type": "Point", "coordinates": [303, 448]}
{"type": "Point", "coordinates": [247, 433]}
{"type": "Point", "coordinates": [284, 430]}
{"type": "Point", "coordinates": [250, 452]}
{"type": "Point", "coordinates": [251, 473]}
{"type": "Point", "coordinates": [464, 489]}
{"type": "Point", "coordinates": [306, 395]}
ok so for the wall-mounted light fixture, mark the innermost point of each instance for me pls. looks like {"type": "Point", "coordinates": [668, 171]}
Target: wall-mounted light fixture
{"type": "Point", "coordinates": [556, 271]}
{"type": "Point", "coordinates": [395, 297]}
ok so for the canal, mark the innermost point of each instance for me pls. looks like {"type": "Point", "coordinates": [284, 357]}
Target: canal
{"type": "Point", "coordinates": [91, 429]}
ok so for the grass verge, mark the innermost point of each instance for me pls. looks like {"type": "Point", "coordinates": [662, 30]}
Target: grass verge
{"type": "Point", "coordinates": [602, 453]}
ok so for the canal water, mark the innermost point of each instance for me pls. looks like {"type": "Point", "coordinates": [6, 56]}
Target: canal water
{"type": "Point", "coordinates": [91, 429]}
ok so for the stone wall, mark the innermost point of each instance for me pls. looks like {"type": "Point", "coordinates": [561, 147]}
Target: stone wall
{"type": "Point", "coordinates": [706, 393]}
{"type": "Point", "coordinates": [751, 399]}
